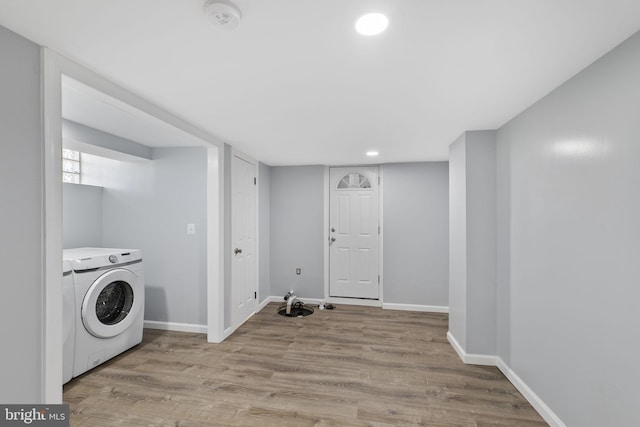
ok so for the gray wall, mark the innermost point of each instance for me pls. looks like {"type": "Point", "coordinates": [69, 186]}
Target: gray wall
{"type": "Point", "coordinates": [458, 240]}
{"type": "Point", "coordinates": [416, 233]}
{"type": "Point", "coordinates": [481, 242]}
{"type": "Point", "coordinates": [415, 217]}
{"type": "Point", "coordinates": [297, 225]}
{"type": "Point", "coordinates": [176, 263]}
{"type": "Point", "coordinates": [472, 308]}
{"type": "Point", "coordinates": [264, 194]}
{"type": "Point", "coordinates": [147, 205]}
{"type": "Point", "coordinates": [82, 216]}
{"type": "Point", "coordinates": [570, 212]}
{"type": "Point", "coordinates": [503, 240]}
{"type": "Point", "coordinates": [21, 220]}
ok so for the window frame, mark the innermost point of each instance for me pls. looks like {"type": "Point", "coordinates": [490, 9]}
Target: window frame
{"type": "Point", "coordinates": [73, 157]}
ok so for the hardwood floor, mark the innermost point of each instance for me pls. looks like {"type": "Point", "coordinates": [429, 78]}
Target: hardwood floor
{"type": "Point", "coordinates": [352, 366]}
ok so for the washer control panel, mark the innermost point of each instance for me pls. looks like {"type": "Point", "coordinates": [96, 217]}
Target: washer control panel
{"type": "Point", "coordinates": [85, 259]}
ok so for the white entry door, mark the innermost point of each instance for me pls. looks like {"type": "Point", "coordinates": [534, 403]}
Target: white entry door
{"type": "Point", "coordinates": [244, 281]}
{"type": "Point", "coordinates": [354, 232]}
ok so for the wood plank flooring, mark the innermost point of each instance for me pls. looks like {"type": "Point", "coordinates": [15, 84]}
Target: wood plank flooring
{"type": "Point", "coordinates": [352, 366]}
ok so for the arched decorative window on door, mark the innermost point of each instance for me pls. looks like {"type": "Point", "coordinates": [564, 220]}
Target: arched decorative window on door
{"type": "Point", "coordinates": [354, 181]}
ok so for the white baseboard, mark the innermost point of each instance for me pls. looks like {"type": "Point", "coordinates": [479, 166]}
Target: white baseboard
{"type": "Point", "coordinates": [471, 358]}
{"type": "Point", "coordinates": [228, 332]}
{"type": "Point", "coordinates": [232, 329]}
{"type": "Point", "coordinates": [354, 301]}
{"type": "Point", "coordinates": [456, 346]}
{"type": "Point", "coordinates": [173, 326]}
{"type": "Point", "coordinates": [535, 401]}
{"type": "Point", "coordinates": [265, 302]}
{"type": "Point", "coordinates": [416, 307]}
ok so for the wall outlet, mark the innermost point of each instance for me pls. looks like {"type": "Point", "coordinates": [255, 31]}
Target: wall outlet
{"type": "Point", "coordinates": [191, 229]}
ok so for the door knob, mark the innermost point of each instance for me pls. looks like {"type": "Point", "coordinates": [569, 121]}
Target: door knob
{"type": "Point", "coordinates": [333, 230]}
{"type": "Point", "coordinates": [333, 239]}
{"type": "Point", "coordinates": [237, 251]}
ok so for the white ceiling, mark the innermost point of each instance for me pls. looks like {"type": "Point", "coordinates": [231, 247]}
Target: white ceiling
{"type": "Point", "coordinates": [294, 83]}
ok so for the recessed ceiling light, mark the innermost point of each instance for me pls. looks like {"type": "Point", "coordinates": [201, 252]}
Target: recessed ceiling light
{"type": "Point", "coordinates": [371, 24]}
{"type": "Point", "coordinates": [372, 153]}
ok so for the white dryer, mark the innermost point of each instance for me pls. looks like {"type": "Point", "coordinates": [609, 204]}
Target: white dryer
{"type": "Point", "coordinates": [68, 321]}
{"type": "Point", "coordinates": [109, 291]}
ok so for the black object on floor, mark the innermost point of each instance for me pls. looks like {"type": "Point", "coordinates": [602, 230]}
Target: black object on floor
{"type": "Point", "coordinates": [297, 310]}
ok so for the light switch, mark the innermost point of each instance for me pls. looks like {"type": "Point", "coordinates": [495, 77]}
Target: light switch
{"type": "Point", "coordinates": [191, 229]}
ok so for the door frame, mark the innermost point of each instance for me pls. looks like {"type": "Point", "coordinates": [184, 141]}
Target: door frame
{"type": "Point", "coordinates": [229, 247]}
{"type": "Point", "coordinates": [327, 216]}
{"type": "Point", "coordinates": [53, 67]}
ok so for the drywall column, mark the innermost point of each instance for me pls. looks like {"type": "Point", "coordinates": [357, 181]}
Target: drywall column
{"type": "Point", "coordinates": [481, 242]}
{"type": "Point", "coordinates": [458, 242]}
{"type": "Point", "coordinates": [473, 247]}
{"type": "Point", "coordinates": [21, 228]}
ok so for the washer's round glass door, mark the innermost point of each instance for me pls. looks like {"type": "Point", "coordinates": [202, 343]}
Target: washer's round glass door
{"type": "Point", "coordinates": [112, 303]}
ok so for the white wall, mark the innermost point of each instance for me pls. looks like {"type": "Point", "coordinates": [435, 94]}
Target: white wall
{"type": "Point", "coordinates": [570, 215]}
{"type": "Point", "coordinates": [21, 229]}
{"type": "Point", "coordinates": [81, 216]}
{"type": "Point", "coordinates": [416, 233]}
{"type": "Point", "coordinates": [297, 225]}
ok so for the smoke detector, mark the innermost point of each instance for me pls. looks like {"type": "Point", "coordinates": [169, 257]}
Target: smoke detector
{"type": "Point", "coordinates": [223, 15]}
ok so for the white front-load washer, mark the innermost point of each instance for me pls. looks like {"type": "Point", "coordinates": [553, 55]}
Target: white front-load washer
{"type": "Point", "coordinates": [109, 290]}
{"type": "Point", "coordinates": [68, 321]}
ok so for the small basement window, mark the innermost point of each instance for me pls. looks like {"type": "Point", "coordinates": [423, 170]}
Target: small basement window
{"type": "Point", "coordinates": [70, 166]}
